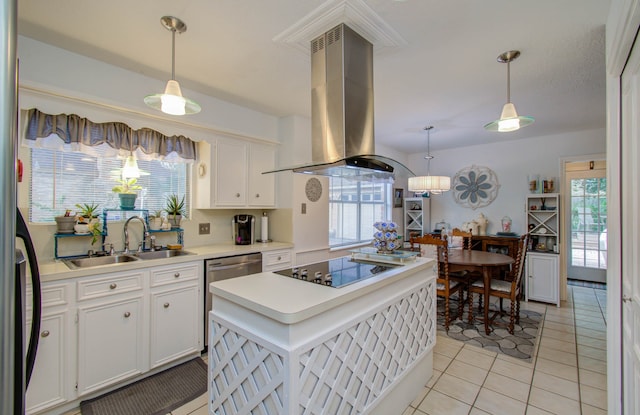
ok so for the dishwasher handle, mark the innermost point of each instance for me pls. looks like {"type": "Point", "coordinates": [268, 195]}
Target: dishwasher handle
{"type": "Point", "coordinates": [219, 267]}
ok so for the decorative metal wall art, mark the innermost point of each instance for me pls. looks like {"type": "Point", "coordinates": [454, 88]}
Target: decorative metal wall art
{"type": "Point", "coordinates": [475, 186]}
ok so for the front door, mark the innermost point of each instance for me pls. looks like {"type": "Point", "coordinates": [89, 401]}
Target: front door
{"type": "Point", "coordinates": [587, 213]}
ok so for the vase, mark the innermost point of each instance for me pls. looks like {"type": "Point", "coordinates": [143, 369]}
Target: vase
{"type": "Point", "coordinates": [155, 223]}
{"type": "Point", "coordinates": [127, 201]}
{"type": "Point", "coordinates": [174, 220]}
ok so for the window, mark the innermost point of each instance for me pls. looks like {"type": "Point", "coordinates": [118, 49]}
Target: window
{"type": "Point", "coordinates": [60, 179]}
{"type": "Point", "coordinates": [354, 207]}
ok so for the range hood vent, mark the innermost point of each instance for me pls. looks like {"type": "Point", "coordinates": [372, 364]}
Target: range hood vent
{"type": "Point", "coordinates": [342, 123]}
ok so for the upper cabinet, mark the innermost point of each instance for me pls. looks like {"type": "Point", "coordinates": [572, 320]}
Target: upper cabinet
{"type": "Point", "coordinates": [229, 175]}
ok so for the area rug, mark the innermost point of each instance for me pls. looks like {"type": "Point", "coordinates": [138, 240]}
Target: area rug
{"type": "Point", "coordinates": [521, 344]}
{"type": "Point", "coordinates": [156, 395]}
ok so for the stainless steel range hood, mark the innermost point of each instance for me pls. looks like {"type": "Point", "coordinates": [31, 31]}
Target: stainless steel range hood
{"type": "Point", "coordinates": [342, 127]}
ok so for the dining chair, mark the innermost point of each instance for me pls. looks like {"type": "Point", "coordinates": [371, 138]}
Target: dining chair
{"type": "Point", "coordinates": [446, 286]}
{"type": "Point", "coordinates": [466, 237]}
{"type": "Point", "coordinates": [504, 289]}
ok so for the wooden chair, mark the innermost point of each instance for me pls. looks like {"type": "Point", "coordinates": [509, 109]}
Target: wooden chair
{"type": "Point", "coordinates": [446, 286]}
{"type": "Point", "coordinates": [509, 289]}
{"type": "Point", "coordinates": [466, 237]}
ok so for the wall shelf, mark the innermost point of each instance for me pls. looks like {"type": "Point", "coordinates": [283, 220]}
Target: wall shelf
{"type": "Point", "coordinates": [116, 215]}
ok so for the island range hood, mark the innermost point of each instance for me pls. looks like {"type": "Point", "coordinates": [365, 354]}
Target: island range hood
{"type": "Point", "coordinates": [342, 127]}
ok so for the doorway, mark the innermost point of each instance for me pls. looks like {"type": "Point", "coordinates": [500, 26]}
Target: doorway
{"type": "Point", "coordinates": [587, 220]}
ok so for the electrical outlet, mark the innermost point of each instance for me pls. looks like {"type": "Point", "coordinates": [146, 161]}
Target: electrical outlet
{"type": "Point", "coordinates": [304, 209]}
{"type": "Point", "coordinates": [204, 229]}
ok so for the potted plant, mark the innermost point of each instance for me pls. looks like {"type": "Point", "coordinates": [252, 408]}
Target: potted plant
{"type": "Point", "coordinates": [174, 209]}
{"type": "Point", "coordinates": [127, 192]}
{"type": "Point", "coordinates": [155, 220]}
{"type": "Point", "coordinates": [65, 222]}
{"type": "Point", "coordinates": [87, 222]}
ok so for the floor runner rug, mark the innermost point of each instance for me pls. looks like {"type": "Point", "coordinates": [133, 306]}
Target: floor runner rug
{"type": "Point", "coordinates": [155, 395]}
{"type": "Point", "coordinates": [521, 344]}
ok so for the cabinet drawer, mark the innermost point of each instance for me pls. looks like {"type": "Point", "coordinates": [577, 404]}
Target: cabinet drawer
{"type": "Point", "coordinates": [51, 295]}
{"type": "Point", "coordinates": [174, 274]}
{"type": "Point", "coordinates": [110, 285]}
{"type": "Point", "coordinates": [276, 260]}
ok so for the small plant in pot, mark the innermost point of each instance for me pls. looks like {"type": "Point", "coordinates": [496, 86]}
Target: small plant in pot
{"type": "Point", "coordinates": [155, 220]}
{"type": "Point", "coordinates": [175, 210]}
{"type": "Point", "coordinates": [87, 222]}
{"type": "Point", "coordinates": [127, 192]}
{"type": "Point", "coordinates": [65, 222]}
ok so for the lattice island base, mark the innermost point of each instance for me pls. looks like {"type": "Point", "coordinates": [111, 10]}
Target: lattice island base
{"type": "Point", "coordinates": [283, 346]}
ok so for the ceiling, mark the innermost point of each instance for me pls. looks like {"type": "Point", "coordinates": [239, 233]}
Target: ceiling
{"type": "Point", "coordinates": [438, 69]}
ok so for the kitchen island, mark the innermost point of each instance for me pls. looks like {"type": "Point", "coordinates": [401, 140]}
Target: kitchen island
{"type": "Point", "coordinates": [279, 345]}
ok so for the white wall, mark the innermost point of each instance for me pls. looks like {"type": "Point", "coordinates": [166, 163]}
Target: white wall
{"type": "Point", "coordinates": [512, 162]}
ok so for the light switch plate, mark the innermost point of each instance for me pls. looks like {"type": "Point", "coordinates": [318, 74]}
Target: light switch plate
{"type": "Point", "coordinates": [204, 229]}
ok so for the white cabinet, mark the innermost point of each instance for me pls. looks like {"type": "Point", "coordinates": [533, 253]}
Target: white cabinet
{"type": "Point", "coordinates": [541, 277]}
{"type": "Point", "coordinates": [229, 175]}
{"type": "Point", "coordinates": [111, 330]}
{"type": "Point", "coordinates": [276, 260]}
{"type": "Point", "coordinates": [176, 313]}
{"type": "Point", "coordinates": [417, 217]}
{"type": "Point", "coordinates": [49, 384]}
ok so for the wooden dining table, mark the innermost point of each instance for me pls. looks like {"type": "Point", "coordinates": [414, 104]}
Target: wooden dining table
{"type": "Point", "coordinates": [484, 262]}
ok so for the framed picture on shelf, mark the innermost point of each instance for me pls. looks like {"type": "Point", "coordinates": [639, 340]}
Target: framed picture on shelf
{"type": "Point", "coordinates": [397, 197]}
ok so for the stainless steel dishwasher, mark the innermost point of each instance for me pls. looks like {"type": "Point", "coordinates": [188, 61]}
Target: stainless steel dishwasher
{"type": "Point", "coordinates": [219, 269]}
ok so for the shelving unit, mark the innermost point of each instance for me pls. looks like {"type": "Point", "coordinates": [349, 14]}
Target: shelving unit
{"type": "Point", "coordinates": [116, 215]}
{"type": "Point", "coordinates": [542, 263]}
{"type": "Point", "coordinates": [417, 216]}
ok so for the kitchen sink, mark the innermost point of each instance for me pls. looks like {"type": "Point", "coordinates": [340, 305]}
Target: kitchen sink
{"type": "Point", "coordinates": [98, 261]}
{"type": "Point", "coordinates": [161, 254]}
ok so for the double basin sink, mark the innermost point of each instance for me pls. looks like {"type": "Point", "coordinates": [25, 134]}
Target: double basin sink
{"type": "Point", "coordinates": [122, 258]}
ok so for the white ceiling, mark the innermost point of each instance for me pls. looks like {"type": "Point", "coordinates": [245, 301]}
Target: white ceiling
{"type": "Point", "coordinates": [443, 72]}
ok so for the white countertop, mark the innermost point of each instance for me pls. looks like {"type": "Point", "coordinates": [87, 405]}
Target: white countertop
{"type": "Point", "coordinates": [57, 270]}
{"type": "Point", "coordinates": [289, 300]}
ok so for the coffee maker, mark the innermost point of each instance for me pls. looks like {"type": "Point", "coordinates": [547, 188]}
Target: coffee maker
{"type": "Point", "coordinates": [244, 227]}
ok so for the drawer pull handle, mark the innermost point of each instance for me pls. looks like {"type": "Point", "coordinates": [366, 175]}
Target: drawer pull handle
{"type": "Point", "coordinates": [237, 194]}
{"type": "Point", "coordinates": [166, 305]}
{"type": "Point", "coordinates": [45, 333]}
{"type": "Point", "coordinates": [113, 285]}
{"type": "Point", "coordinates": [279, 258]}
{"type": "Point", "coordinates": [127, 314]}
{"type": "Point", "coordinates": [177, 274]}
{"type": "Point", "coordinates": [257, 195]}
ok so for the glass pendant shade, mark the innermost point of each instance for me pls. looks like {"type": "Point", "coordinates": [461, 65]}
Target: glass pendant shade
{"type": "Point", "coordinates": [509, 118]}
{"type": "Point", "coordinates": [171, 101]}
{"type": "Point", "coordinates": [130, 169]}
{"type": "Point", "coordinates": [431, 184]}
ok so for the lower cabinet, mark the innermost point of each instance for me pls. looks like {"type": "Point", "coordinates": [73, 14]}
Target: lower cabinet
{"type": "Point", "coordinates": [110, 343]}
{"type": "Point", "coordinates": [542, 277]}
{"type": "Point", "coordinates": [98, 331]}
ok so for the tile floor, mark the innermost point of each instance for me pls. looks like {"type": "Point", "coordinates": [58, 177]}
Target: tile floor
{"type": "Point", "coordinates": [567, 376]}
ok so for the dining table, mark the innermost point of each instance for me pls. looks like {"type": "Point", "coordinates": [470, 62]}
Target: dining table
{"type": "Point", "coordinates": [479, 261]}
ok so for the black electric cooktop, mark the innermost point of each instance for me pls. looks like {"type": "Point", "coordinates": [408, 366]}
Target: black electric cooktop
{"type": "Point", "coordinates": [336, 272]}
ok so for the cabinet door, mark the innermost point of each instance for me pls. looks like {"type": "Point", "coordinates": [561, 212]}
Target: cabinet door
{"type": "Point", "coordinates": [176, 320]}
{"type": "Point", "coordinates": [261, 186]}
{"type": "Point", "coordinates": [542, 277]}
{"type": "Point", "coordinates": [48, 381]}
{"type": "Point", "coordinates": [110, 342]}
{"type": "Point", "coordinates": [231, 174]}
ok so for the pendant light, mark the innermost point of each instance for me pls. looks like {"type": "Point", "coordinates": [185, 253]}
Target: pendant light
{"type": "Point", "coordinates": [509, 119]}
{"type": "Point", "coordinates": [428, 183]}
{"type": "Point", "coordinates": [171, 101]}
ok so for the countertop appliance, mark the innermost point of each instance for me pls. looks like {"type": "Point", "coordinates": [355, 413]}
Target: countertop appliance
{"type": "Point", "coordinates": [244, 229]}
{"type": "Point", "coordinates": [336, 272]}
{"type": "Point", "coordinates": [219, 269]}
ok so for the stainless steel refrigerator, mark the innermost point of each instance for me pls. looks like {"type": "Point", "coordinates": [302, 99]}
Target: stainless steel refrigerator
{"type": "Point", "coordinates": [14, 369]}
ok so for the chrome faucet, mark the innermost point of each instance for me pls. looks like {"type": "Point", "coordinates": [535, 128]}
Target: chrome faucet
{"type": "Point", "coordinates": [126, 233]}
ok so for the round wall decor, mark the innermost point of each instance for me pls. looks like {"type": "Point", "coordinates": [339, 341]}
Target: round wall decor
{"type": "Point", "coordinates": [313, 189]}
{"type": "Point", "coordinates": [475, 187]}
